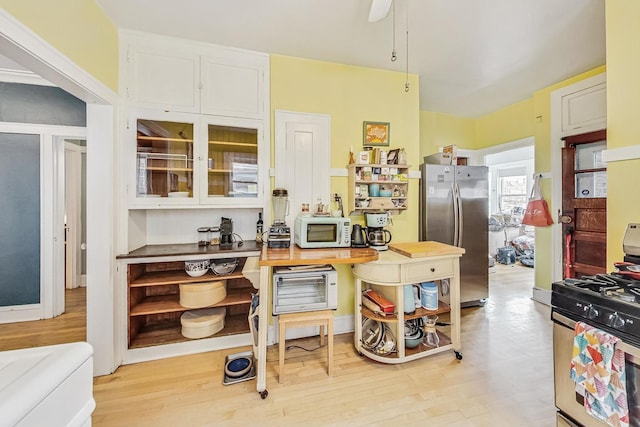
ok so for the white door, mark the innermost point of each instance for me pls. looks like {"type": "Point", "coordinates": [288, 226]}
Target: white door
{"type": "Point", "coordinates": [73, 214]}
{"type": "Point", "coordinates": [303, 147]}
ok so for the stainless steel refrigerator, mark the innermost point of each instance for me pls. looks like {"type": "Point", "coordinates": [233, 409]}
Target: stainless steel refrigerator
{"type": "Point", "coordinates": [454, 210]}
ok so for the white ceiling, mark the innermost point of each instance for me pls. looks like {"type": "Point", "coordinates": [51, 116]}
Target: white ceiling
{"type": "Point", "coordinates": [473, 56]}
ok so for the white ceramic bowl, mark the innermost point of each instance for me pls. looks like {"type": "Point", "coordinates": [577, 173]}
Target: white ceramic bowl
{"type": "Point", "coordinates": [196, 268]}
{"type": "Point", "coordinates": [179, 194]}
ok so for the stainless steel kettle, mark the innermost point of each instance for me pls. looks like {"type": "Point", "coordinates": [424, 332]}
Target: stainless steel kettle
{"type": "Point", "coordinates": [358, 236]}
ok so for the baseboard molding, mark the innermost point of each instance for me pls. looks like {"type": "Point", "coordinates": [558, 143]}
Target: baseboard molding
{"type": "Point", "coordinates": [20, 313]}
{"type": "Point", "coordinates": [542, 296]}
{"type": "Point", "coordinates": [341, 325]}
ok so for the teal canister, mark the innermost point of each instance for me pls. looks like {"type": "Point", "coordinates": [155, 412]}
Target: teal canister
{"type": "Point", "coordinates": [408, 300]}
{"type": "Point", "coordinates": [374, 190]}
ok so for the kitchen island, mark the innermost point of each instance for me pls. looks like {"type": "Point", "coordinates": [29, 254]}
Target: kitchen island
{"type": "Point", "coordinates": [408, 264]}
{"type": "Point", "coordinates": [291, 257]}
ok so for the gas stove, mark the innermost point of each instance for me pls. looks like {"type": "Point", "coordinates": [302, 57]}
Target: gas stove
{"type": "Point", "coordinates": [609, 301]}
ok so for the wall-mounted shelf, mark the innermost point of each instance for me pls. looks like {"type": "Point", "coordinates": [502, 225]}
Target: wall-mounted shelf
{"type": "Point", "coordinates": [362, 179]}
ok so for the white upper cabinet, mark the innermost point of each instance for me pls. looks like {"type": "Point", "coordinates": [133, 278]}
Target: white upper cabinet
{"type": "Point", "coordinates": [585, 110]}
{"type": "Point", "coordinates": [163, 79]}
{"type": "Point", "coordinates": [181, 76]}
{"type": "Point", "coordinates": [233, 86]}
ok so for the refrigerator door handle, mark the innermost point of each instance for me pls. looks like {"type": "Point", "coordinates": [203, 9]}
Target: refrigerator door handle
{"type": "Point", "coordinates": [456, 222]}
{"type": "Point", "coordinates": [460, 217]}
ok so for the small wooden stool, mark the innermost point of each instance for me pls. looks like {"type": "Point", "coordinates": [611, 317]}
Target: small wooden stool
{"type": "Point", "coordinates": [308, 318]}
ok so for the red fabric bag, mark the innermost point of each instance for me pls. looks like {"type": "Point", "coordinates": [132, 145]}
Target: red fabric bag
{"type": "Point", "coordinates": [537, 212]}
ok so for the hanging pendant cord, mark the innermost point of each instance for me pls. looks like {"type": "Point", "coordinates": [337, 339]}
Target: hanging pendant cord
{"type": "Point", "coordinates": [406, 84]}
{"type": "Point", "coordinates": [393, 34]}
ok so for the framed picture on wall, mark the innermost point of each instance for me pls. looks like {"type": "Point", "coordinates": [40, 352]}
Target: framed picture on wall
{"type": "Point", "coordinates": [375, 134]}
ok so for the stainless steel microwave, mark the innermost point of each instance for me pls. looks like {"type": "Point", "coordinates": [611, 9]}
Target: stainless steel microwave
{"type": "Point", "coordinates": [304, 288]}
{"type": "Point", "coordinates": [322, 232]}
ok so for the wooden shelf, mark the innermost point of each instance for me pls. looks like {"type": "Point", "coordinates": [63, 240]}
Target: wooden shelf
{"type": "Point", "coordinates": [395, 182]}
{"type": "Point", "coordinates": [168, 169]}
{"type": "Point", "coordinates": [392, 355]}
{"type": "Point", "coordinates": [236, 144]}
{"type": "Point", "coordinates": [161, 138]}
{"type": "Point", "coordinates": [391, 317]}
{"type": "Point", "coordinates": [421, 312]}
{"type": "Point", "coordinates": [360, 165]}
{"type": "Point", "coordinates": [172, 277]}
{"type": "Point", "coordinates": [169, 331]}
{"type": "Point", "coordinates": [577, 171]}
{"type": "Point", "coordinates": [444, 340]}
{"type": "Point", "coordinates": [170, 303]}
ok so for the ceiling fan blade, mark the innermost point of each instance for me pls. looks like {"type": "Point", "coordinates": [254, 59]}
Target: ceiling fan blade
{"type": "Point", "coordinates": [379, 10]}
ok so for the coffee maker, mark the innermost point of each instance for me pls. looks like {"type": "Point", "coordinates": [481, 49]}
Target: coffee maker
{"type": "Point", "coordinates": [377, 236]}
{"type": "Point", "coordinates": [226, 233]}
{"type": "Point", "coordinates": [279, 232]}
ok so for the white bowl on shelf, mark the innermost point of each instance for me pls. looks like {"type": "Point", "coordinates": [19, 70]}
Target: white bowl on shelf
{"type": "Point", "coordinates": [196, 268]}
{"type": "Point", "coordinates": [178, 194]}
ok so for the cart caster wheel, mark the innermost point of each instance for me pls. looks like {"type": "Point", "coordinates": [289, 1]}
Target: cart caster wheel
{"type": "Point", "coordinates": [264, 394]}
{"type": "Point", "coordinates": [360, 354]}
{"type": "Point", "coordinates": [458, 355]}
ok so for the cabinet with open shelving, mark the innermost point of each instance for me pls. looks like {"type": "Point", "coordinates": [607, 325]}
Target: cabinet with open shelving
{"type": "Point", "coordinates": [154, 308]}
{"type": "Point", "coordinates": [392, 179]}
{"type": "Point", "coordinates": [388, 275]}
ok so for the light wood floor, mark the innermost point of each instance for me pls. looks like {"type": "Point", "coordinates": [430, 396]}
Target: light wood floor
{"type": "Point", "coordinates": [504, 379]}
{"type": "Point", "coordinates": [68, 327]}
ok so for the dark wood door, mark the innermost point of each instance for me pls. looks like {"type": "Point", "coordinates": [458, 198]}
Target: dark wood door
{"type": "Point", "coordinates": [584, 204]}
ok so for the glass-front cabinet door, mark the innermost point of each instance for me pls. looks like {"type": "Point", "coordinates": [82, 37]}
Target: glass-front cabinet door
{"type": "Point", "coordinates": [164, 160]}
{"type": "Point", "coordinates": [233, 170]}
{"type": "Point", "coordinates": [187, 159]}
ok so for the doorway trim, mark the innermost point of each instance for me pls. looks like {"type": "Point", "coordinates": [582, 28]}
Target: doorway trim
{"type": "Point", "coordinates": [556, 143]}
{"type": "Point", "coordinates": [23, 46]}
{"type": "Point", "coordinates": [52, 235]}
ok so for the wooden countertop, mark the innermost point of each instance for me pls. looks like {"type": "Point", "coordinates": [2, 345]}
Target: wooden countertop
{"type": "Point", "coordinates": [296, 256]}
{"type": "Point", "coordinates": [425, 249]}
{"type": "Point", "coordinates": [190, 249]}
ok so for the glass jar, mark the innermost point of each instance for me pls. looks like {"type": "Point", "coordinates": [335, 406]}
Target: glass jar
{"type": "Point", "coordinates": [402, 157]}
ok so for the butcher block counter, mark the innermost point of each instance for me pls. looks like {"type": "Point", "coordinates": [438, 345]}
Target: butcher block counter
{"type": "Point", "coordinates": [297, 256]}
{"type": "Point", "coordinates": [291, 257]}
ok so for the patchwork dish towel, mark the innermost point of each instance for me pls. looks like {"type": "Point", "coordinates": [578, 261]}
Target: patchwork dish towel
{"type": "Point", "coordinates": [598, 367]}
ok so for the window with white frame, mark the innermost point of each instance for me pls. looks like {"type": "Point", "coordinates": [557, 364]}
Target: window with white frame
{"type": "Point", "coordinates": [512, 193]}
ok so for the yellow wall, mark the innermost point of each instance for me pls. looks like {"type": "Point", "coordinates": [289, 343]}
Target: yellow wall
{"type": "Point", "coordinates": [79, 29]}
{"type": "Point", "coordinates": [623, 125]}
{"type": "Point", "coordinates": [505, 125]}
{"type": "Point", "coordinates": [440, 129]}
{"type": "Point", "coordinates": [351, 95]}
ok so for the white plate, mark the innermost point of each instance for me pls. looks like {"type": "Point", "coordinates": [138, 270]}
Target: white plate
{"type": "Point", "coordinates": [179, 194]}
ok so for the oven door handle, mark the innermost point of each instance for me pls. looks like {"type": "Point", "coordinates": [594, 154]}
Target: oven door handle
{"type": "Point", "coordinates": [633, 353]}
